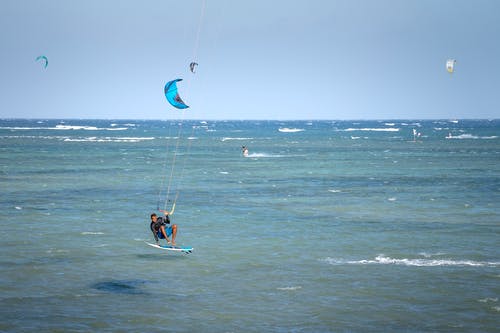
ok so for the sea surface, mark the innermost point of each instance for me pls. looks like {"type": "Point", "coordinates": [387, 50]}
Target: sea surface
{"type": "Point", "coordinates": [326, 226]}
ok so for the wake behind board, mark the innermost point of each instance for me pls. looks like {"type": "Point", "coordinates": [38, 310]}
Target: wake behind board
{"type": "Point", "coordinates": [183, 249]}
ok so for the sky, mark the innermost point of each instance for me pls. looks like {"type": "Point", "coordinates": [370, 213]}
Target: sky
{"type": "Point", "coordinates": [259, 59]}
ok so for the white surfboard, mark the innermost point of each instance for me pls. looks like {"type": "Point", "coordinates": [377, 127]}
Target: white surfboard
{"type": "Point", "coordinates": [183, 249]}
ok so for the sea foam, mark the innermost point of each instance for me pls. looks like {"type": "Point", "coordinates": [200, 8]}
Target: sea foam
{"type": "Point", "coordinates": [290, 130]}
{"type": "Point", "coordinates": [383, 260]}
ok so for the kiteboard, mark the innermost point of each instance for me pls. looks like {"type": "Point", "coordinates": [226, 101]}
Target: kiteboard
{"type": "Point", "coordinates": [183, 249]}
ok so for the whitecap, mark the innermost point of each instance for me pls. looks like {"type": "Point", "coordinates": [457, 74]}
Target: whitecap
{"type": "Point", "coordinates": [108, 139]}
{"type": "Point", "coordinates": [23, 128]}
{"type": "Point", "coordinates": [18, 207]}
{"type": "Point", "coordinates": [289, 288]}
{"type": "Point", "coordinates": [116, 129]}
{"type": "Point", "coordinates": [470, 136]}
{"type": "Point", "coordinates": [334, 191]}
{"type": "Point", "coordinates": [488, 300]}
{"type": "Point", "coordinates": [239, 139]}
{"type": "Point", "coordinates": [70, 127]}
{"type": "Point", "coordinates": [428, 255]}
{"type": "Point", "coordinates": [86, 128]}
{"type": "Point", "coordinates": [383, 260]}
{"type": "Point", "coordinates": [392, 199]}
{"type": "Point", "coordinates": [92, 233]}
{"type": "Point", "coordinates": [290, 130]}
{"type": "Point", "coordinates": [390, 129]}
{"type": "Point", "coordinates": [263, 155]}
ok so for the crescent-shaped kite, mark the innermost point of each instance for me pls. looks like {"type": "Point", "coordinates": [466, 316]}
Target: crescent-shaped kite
{"type": "Point", "coordinates": [192, 67]}
{"type": "Point", "coordinates": [173, 96]}
{"type": "Point", "coordinates": [42, 57]}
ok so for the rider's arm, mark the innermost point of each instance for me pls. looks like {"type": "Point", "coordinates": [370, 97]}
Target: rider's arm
{"type": "Point", "coordinates": [154, 232]}
{"type": "Point", "coordinates": [166, 212]}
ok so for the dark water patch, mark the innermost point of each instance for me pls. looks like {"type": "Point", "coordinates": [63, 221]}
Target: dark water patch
{"type": "Point", "coordinates": [128, 287]}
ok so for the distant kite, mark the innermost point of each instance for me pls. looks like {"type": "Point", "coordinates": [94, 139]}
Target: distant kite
{"type": "Point", "coordinates": [450, 65]}
{"type": "Point", "coordinates": [173, 96]}
{"type": "Point", "coordinates": [192, 67]}
{"type": "Point", "coordinates": [42, 57]}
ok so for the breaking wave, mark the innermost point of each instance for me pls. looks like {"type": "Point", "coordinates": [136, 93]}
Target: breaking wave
{"type": "Point", "coordinates": [383, 260]}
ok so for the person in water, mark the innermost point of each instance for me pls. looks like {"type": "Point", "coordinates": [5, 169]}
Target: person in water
{"type": "Point", "coordinates": [161, 227]}
{"type": "Point", "coordinates": [244, 150]}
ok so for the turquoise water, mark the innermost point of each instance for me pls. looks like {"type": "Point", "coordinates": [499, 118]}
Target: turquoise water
{"type": "Point", "coordinates": [325, 227]}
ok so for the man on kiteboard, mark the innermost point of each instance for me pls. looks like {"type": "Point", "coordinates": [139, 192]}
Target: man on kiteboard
{"type": "Point", "coordinates": [161, 227]}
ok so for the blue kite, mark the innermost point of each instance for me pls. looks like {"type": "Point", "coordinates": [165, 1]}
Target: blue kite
{"type": "Point", "coordinates": [44, 58]}
{"type": "Point", "coordinates": [173, 96]}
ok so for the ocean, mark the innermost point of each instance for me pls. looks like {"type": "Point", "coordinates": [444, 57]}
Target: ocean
{"type": "Point", "coordinates": [326, 226]}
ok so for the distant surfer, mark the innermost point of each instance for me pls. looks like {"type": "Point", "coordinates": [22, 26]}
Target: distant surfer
{"type": "Point", "coordinates": [161, 227]}
{"type": "Point", "coordinates": [416, 135]}
{"type": "Point", "coordinates": [244, 150]}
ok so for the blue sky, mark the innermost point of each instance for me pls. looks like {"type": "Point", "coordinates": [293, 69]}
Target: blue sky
{"type": "Point", "coordinates": [350, 59]}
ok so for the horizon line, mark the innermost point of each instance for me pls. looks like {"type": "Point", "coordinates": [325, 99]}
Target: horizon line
{"type": "Point", "coordinates": [250, 119]}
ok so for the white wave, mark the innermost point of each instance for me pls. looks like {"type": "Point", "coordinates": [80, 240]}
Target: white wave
{"type": "Point", "coordinates": [428, 255]}
{"type": "Point", "coordinates": [109, 139]}
{"type": "Point", "coordinates": [122, 128]}
{"type": "Point", "coordinates": [18, 208]}
{"type": "Point", "coordinates": [86, 128]}
{"type": "Point", "coordinates": [389, 124]}
{"type": "Point", "coordinates": [334, 191]}
{"type": "Point", "coordinates": [262, 155]}
{"type": "Point", "coordinates": [229, 139]}
{"type": "Point", "coordinates": [24, 128]}
{"type": "Point", "coordinates": [489, 299]}
{"type": "Point", "coordinates": [116, 129]}
{"type": "Point", "coordinates": [390, 129]}
{"type": "Point", "coordinates": [69, 127]}
{"type": "Point", "coordinates": [392, 199]}
{"type": "Point", "coordinates": [470, 136]}
{"type": "Point", "coordinates": [92, 233]}
{"type": "Point", "coordinates": [57, 251]}
{"type": "Point", "coordinates": [290, 130]}
{"type": "Point", "coordinates": [290, 288]}
{"type": "Point", "coordinates": [383, 260]}
{"type": "Point", "coordinates": [355, 137]}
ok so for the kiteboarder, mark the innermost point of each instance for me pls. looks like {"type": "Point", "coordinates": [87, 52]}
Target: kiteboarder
{"type": "Point", "coordinates": [161, 227]}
